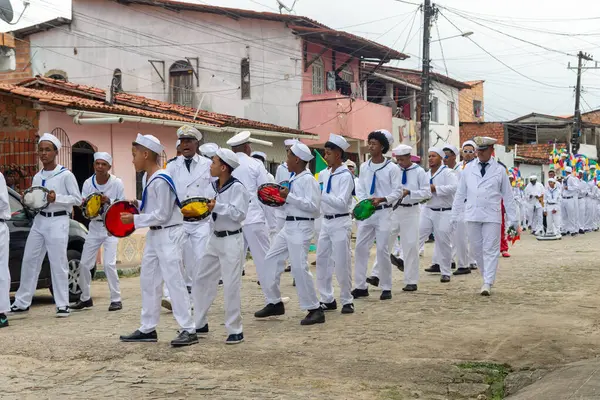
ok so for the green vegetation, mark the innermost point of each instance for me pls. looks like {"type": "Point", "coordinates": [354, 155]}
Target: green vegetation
{"type": "Point", "coordinates": [494, 376]}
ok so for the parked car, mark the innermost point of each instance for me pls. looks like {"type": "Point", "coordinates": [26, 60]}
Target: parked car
{"type": "Point", "coordinates": [19, 226]}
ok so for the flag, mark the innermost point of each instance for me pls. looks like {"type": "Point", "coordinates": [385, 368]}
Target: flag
{"type": "Point", "coordinates": [320, 164]}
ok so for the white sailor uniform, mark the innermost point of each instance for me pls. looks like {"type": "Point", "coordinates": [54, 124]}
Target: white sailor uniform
{"type": "Point", "coordinates": [552, 200]}
{"type": "Point", "coordinates": [4, 247]}
{"type": "Point", "coordinates": [570, 193]}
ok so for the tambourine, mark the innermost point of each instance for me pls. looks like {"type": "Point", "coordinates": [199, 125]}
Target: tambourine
{"type": "Point", "coordinates": [112, 219]}
{"type": "Point", "coordinates": [285, 184]}
{"type": "Point", "coordinates": [198, 206]}
{"type": "Point", "coordinates": [92, 206]}
{"type": "Point", "coordinates": [363, 210]}
{"type": "Point", "coordinates": [269, 195]}
{"type": "Point", "coordinates": [36, 198]}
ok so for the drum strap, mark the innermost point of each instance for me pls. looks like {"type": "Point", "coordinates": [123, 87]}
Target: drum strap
{"type": "Point", "coordinates": [63, 169]}
{"type": "Point", "coordinates": [167, 179]}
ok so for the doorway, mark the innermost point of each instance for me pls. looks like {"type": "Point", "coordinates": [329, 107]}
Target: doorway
{"type": "Point", "coordinates": [82, 168]}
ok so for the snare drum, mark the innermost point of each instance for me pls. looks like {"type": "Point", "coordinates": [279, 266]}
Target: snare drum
{"type": "Point", "coordinates": [36, 198]}
{"type": "Point", "coordinates": [112, 219]}
{"type": "Point", "coordinates": [363, 210]}
{"type": "Point", "coordinates": [198, 206]}
{"type": "Point", "coordinates": [269, 195]}
{"type": "Point", "coordinates": [92, 206]}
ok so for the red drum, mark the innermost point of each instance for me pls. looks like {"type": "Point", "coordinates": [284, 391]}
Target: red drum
{"type": "Point", "coordinates": [112, 219]}
{"type": "Point", "coordinates": [269, 195]}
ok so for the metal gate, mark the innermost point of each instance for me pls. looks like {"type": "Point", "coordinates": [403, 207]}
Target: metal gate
{"type": "Point", "coordinates": [18, 161]}
{"type": "Point", "coordinates": [64, 154]}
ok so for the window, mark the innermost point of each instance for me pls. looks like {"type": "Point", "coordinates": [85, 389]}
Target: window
{"type": "Point", "coordinates": [318, 76]}
{"type": "Point", "coordinates": [451, 113]}
{"type": "Point", "coordinates": [57, 74]}
{"type": "Point", "coordinates": [245, 78]}
{"type": "Point", "coordinates": [433, 109]}
{"type": "Point", "coordinates": [181, 78]}
{"type": "Point", "coordinates": [117, 81]}
{"type": "Point", "coordinates": [16, 209]}
{"type": "Point", "coordinates": [477, 108]}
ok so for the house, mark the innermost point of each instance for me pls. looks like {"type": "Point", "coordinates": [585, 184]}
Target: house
{"type": "Point", "coordinates": [285, 70]}
{"type": "Point", "coordinates": [470, 100]}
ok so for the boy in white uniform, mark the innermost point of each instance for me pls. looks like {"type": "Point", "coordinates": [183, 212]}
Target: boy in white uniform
{"type": "Point", "coordinates": [552, 200]}
{"type": "Point", "coordinates": [4, 251]}
{"type": "Point", "coordinates": [112, 190]}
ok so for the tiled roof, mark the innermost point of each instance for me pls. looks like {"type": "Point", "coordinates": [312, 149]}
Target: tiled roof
{"type": "Point", "coordinates": [414, 76]}
{"type": "Point", "coordinates": [537, 152]}
{"type": "Point", "coordinates": [73, 95]}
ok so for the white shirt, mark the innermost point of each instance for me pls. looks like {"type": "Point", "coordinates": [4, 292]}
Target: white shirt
{"type": "Point", "coordinates": [160, 207]}
{"type": "Point", "coordinates": [193, 183]}
{"type": "Point", "coordinates": [282, 174]}
{"type": "Point", "coordinates": [113, 189]}
{"type": "Point", "coordinates": [231, 205]}
{"type": "Point", "coordinates": [552, 196]}
{"type": "Point", "coordinates": [252, 173]}
{"type": "Point", "coordinates": [341, 185]}
{"type": "Point", "coordinates": [4, 204]}
{"type": "Point", "coordinates": [571, 186]}
{"type": "Point", "coordinates": [533, 191]}
{"type": "Point", "coordinates": [417, 182]}
{"type": "Point", "coordinates": [304, 198]}
{"type": "Point", "coordinates": [63, 183]}
{"type": "Point", "coordinates": [379, 180]}
{"type": "Point", "coordinates": [445, 182]}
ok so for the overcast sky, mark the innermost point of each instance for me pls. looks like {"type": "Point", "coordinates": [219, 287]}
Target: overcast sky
{"type": "Point", "coordinates": [544, 84]}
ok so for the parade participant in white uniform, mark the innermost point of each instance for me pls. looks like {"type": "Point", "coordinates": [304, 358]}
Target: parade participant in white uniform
{"type": "Point", "coordinates": [262, 157]}
{"type": "Point", "coordinates": [517, 195]}
{"type": "Point", "coordinates": [581, 201]}
{"type": "Point", "coordinates": [303, 201]}
{"type": "Point", "coordinates": [333, 250]}
{"type": "Point", "coordinates": [4, 251]}
{"type": "Point", "coordinates": [159, 211]}
{"type": "Point", "coordinates": [533, 193]}
{"type": "Point", "coordinates": [479, 195]}
{"type": "Point", "coordinates": [224, 255]}
{"type": "Point", "coordinates": [590, 201]}
{"type": "Point", "coordinates": [50, 230]}
{"type": "Point", "coordinates": [451, 153]}
{"type": "Point", "coordinates": [283, 174]}
{"type": "Point", "coordinates": [112, 190]}
{"type": "Point", "coordinates": [570, 194]}
{"type": "Point", "coordinates": [269, 211]}
{"type": "Point", "coordinates": [552, 200]}
{"type": "Point", "coordinates": [209, 150]}
{"type": "Point", "coordinates": [436, 214]}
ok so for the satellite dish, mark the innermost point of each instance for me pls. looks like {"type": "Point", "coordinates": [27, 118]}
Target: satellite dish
{"type": "Point", "coordinates": [6, 11]}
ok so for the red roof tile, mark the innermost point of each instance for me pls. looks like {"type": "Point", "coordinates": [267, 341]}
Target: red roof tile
{"type": "Point", "coordinates": [414, 76]}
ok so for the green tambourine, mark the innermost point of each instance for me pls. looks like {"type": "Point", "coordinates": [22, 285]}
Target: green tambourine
{"type": "Point", "coordinates": [363, 210]}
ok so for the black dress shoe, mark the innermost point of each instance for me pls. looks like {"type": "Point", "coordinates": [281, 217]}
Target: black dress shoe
{"type": "Point", "coordinates": [397, 261]}
{"type": "Point", "coordinates": [115, 306]}
{"type": "Point", "coordinates": [16, 310]}
{"type": "Point", "coordinates": [581, 231]}
{"type": "Point", "coordinates": [329, 306]}
{"type": "Point", "coordinates": [453, 266]}
{"type": "Point", "coordinates": [294, 282]}
{"type": "Point", "coordinates": [4, 320]}
{"type": "Point", "coordinates": [445, 279]}
{"type": "Point", "coordinates": [138, 336]}
{"type": "Point", "coordinates": [473, 267]}
{"type": "Point", "coordinates": [313, 263]}
{"type": "Point", "coordinates": [358, 293]}
{"type": "Point", "coordinates": [184, 338]}
{"type": "Point", "coordinates": [348, 309]}
{"type": "Point", "coordinates": [235, 338]}
{"type": "Point", "coordinates": [81, 305]}
{"type": "Point", "coordinates": [573, 234]}
{"type": "Point", "coordinates": [189, 289]}
{"type": "Point", "coordinates": [316, 316]}
{"type": "Point", "coordinates": [270, 310]}
{"type": "Point", "coordinates": [373, 281]}
{"type": "Point", "coordinates": [202, 332]}
{"type": "Point", "coordinates": [220, 282]}
{"type": "Point", "coordinates": [462, 271]}
{"type": "Point", "coordinates": [410, 288]}
{"type": "Point", "coordinates": [433, 269]}
{"type": "Point", "coordinates": [288, 269]}
{"type": "Point", "coordinates": [386, 295]}
{"type": "Point", "coordinates": [243, 272]}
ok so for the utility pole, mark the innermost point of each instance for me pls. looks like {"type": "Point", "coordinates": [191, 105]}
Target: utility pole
{"type": "Point", "coordinates": [576, 134]}
{"type": "Point", "coordinates": [428, 13]}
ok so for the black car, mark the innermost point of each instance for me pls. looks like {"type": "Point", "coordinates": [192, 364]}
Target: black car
{"type": "Point", "coordinates": [19, 226]}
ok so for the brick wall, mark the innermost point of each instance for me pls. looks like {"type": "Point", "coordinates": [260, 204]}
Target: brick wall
{"type": "Point", "coordinates": [466, 98]}
{"type": "Point", "coordinates": [19, 125]}
{"type": "Point", "coordinates": [468, 130]}
{"type": "Point", "coordinates": [592, 117]}
{"type": "Point", "coordinates": [540, 152]}
{"type": "Point", "coordinates": [23, 70]}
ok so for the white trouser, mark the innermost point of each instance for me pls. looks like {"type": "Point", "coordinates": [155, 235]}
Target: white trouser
{"type": "Point", "coordinates": [485, 240]}
{"type": "Point", "coordinates": [408, 218]}
{"type": "Point", "coordinates": [51, 235]}
{"type": "Point", "coordinates": [581, 213]}
{"type": "Point", "coordinates": [563, 214]}
{"type": "Point", "coordinates": [280, 223]}
{"type": "Point", "coordinates": [523, 208]}
{"type": "Point", "coordinates": [571, 218]}
{"type": "Point", "coordinates": [333, 253]}
{"type": "Point", "coordinates": [438, 223]}
{"type": "Point", "coordinates": [98, 237]}
{"type": "Point", "coordinates": [552, 219]}
{"type": "Point", "coordinates": [376, 228]}
{"type": "Point", "coordinates": [256, 237]}
{"type": "Point", "coordinates": [4, 270]}
{"type": "Point", "coordinates": [162, 261]}
{"type": "Point", "coordinates": [535, 217]}
{"type": "Point", "coordinates": [224, 257]}
{"type": "Point", "coordinates": [461, 243]}
{"type": "Point", "coordinates": [318, 224]}
{"type": "Point", "coordinates": [590, 206]}
{"type": "Point", "coordinates": [292, 241]}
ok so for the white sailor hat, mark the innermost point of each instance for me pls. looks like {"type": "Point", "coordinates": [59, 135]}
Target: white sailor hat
{"type": "Point", "coordinates": [339, 141]}
{"type": "Point", "coordinates": [150, 142]}
{"type": "Point", "coordinates": [302, 151]}
{"type": "Point", "coordinates": [438, 151]}
{"type": "Point", "coordinates": [259, 154]}
{"type": "Point", "coordinates": [188, 132]}
{"type": "Point", "coordinates": [401, 150]}
{"type": "Point", "coordinates": [48, 137]}
{"type": "Point", "coordinates": [387, 135]}
{"type": "Point", "coordinates": [483, 142]}
{"type": "Point", "coordinates": [228, 157]}
{"type": "Point", "coordinates": [239, 139]}
{"type": "Point", "coordinates": [469, 143]}
{"type": "Point", "coordinates": [209, 149]}
{"type": "Point", "coordinates": [568, 169]}
{"type": "Point", "coordinates": [290, 142]}
{"type": "Point", "coordinates": [533, 178]}
{"type": "Point", "coordinates": [552, 180]}
{"type": "Point", "coordinates": [177, 143]}
{"type": "Point", "coordinates": [350, 163]}
{"type": "Point", "coordinates": [101, 155]}
{"type": "Point", "coordinates": [452, 148]}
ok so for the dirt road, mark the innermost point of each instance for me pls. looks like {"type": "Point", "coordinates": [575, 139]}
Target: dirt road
{"type": "Point", "coordinates": [544, 311]}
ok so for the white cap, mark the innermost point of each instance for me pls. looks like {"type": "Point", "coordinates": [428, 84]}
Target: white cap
{"type": "Point", "coordinates": [483, 142]}
{"type": "Point", "coordinates": [290, 142]}
{"type": "Point", "coordinates": [150, 142]}
{"type": "Point", "coordinates": [350, 163]}
{"type": "Point", "coordinates": [401, 150]}
{"type": "Point", "coordinates": [438, 151]}
{"type": "Point", "coordinates": [101, 155]}
{"type": "Point", "coordinates": [228, 157]}
{"type": "Point", "coordinates": [552, 180]}
{"type": "Point", "coordinates": [259, 154]}
{"type": "Point", "coordinates": [48, 137]}
{"type": "Point", "coordinates": [177, 143]}
{"type": "Point", "coordinates": [469, 143]}
{"type": "Point", "coordinates": [239, 139]}
{"type": "Point", "coordinates": [533, 178]}
{"type": "Point", "coordinates": [452, 148]}
{"type": "Point", "coordinates": [302, 151]}
{"type": "Point", "coordinates": [568, 169]}
{"type": "Point", "coordinates": [188, 132]}
{"type": "Point", "coordinates": [339, 141]}
{"type": "Point", "coordinates": [209, 149]}
{"type": "Point", "coordinates": [387, 135]}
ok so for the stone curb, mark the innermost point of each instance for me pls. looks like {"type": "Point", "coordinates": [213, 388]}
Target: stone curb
{"type": "Point", "coordinates": [125, 272]}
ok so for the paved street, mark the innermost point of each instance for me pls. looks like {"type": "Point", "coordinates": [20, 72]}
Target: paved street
{"type": "Point", "coordinates": [544, 313]}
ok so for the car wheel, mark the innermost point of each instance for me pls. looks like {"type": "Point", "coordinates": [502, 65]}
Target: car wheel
{"type": "Point", "coordinates": [74, 263]}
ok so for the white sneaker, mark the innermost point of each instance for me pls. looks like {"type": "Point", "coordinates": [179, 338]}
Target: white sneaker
{"type": "Point", "coordinates": [486, 290]}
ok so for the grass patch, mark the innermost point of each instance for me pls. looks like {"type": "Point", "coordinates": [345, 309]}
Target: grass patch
{"type": "Point", "coordinates": [392, 394]}
{"type": "Point", "coordinates": [494, 376]}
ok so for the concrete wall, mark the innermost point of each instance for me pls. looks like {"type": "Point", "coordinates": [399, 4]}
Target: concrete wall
{"type": "Point", "coordinates": [441, 131]}
{"type": "Point", "coordinates": [466, 98]}
{"type": "Point", "coordinates": [19, 67]}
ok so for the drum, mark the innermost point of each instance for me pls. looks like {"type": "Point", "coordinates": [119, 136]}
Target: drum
{"type": "Point", "coordinates": [112, 219]}
{"type": "Point", "coordinates": [268, 194]}
{"type": "Point", "coordinates": [198, 206]}
{"type": "Point", "coordinates": [92, 206]}
{"type": "Point", "coordinates": [285, 184]}
{"type": "Point", "coordinates": [36, 198]}
{"type": "Point", "coordinates": [363, 210]}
